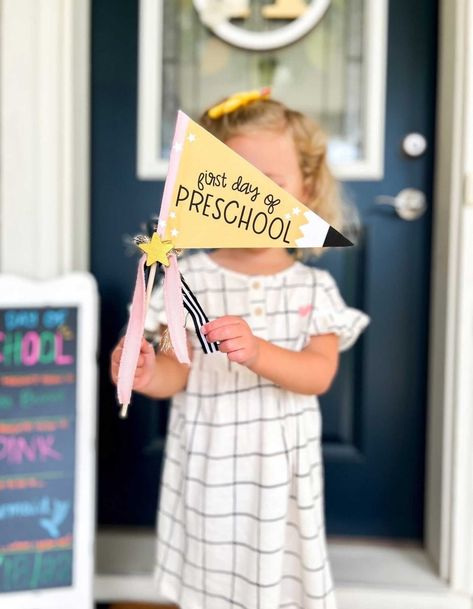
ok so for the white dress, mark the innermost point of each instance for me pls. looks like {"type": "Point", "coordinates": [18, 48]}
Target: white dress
{"type": "Point", "coordinates": [241, 521]}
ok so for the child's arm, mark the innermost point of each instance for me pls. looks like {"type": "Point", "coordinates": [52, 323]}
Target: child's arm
{"type": "Point", "coordinates": [158, 375]}
{"type": "Point", "coordinates": [310, 371]}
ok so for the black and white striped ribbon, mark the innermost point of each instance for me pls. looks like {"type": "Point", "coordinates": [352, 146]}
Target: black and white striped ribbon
{"type": "Point", "coordinates": [192, 306]}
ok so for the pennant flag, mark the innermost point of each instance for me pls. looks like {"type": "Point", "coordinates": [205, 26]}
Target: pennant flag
{"type": "Point", "coordinates": [214, 198]}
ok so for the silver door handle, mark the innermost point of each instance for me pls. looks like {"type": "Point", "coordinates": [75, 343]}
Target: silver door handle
{"type": "Point", "coordinates": [409, 203]}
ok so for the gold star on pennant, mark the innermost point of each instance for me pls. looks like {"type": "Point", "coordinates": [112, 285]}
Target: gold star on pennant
{"type": "Point", "coordinates": [156, 250]}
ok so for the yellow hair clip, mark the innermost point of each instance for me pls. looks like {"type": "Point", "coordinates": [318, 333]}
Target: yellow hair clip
{"type": "Point", "coordinates": [237, 100]}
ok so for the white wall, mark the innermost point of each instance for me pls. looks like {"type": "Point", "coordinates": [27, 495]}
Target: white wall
{"type": "Point", "coordinates": [44, 126]}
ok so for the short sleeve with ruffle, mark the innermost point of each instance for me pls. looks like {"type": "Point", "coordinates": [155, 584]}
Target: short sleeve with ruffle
{"type": "Point", "coordinates": [331, 315]}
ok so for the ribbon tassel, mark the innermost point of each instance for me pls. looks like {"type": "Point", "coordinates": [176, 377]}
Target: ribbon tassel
{"type": "Point", "coordinates": [174, 306]}
{"type": "Point", "coordinates": [132, 343]}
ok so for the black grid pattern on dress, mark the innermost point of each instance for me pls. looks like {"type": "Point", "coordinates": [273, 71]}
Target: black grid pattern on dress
{"type": "Point", "coordinates": [241, 519]}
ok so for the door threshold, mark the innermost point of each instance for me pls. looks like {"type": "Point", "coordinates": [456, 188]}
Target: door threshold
{"type": "Point", "coordinates": [383, 574]}
{"type": "Point", "coordinates": [375, 562]}
{"type": "Point", "coordinates": [369, 574]}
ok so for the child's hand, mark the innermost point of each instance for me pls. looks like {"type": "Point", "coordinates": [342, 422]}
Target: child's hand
{"type": "Point", "coordinates": [235, 337]}
{"type": "Point", "coordinates": [145, 368]}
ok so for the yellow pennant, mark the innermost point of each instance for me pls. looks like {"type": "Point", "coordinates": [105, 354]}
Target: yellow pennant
{"type": "Point", "coordinates": [214, 198]}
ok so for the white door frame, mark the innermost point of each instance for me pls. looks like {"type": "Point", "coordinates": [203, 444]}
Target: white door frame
{"type": "Point", "coordinates": [44, 203]}
{"type": "Point", "coordinates": [449, 492]}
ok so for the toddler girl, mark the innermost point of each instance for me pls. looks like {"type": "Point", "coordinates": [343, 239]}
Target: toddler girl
{"type": "Point", "coordinates": [241, 520]}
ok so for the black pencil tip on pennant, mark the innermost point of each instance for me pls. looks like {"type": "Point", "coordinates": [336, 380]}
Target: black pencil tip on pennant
{"type": "Point", "coordinates": [335, 239]}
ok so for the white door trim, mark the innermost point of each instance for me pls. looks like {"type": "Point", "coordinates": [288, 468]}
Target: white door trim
{"type": "Point", "coordinates": [461, 574]}
{"type": "Point", "coordinates": [449, 495]}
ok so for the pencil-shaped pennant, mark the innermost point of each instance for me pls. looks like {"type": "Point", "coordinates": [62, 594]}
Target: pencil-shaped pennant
{"type": "Point", "coordinates": [212, 198]}
{"type": "Point", "coordinates": [218, 199]}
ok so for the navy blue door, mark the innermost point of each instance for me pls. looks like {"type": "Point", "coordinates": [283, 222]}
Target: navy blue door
{"type": "Point", "coordinates": [374, 417]}
{"type": "Point", "coordinates": [376, 414]}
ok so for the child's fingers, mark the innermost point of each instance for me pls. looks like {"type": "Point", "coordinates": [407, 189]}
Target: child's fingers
{"type": "Point", "coordinates": [224, 328]}
{"type": "Point", "coordinates": [117, 353]}
{"type": "Point", "coordinates": [146, 347]}
{"type": "Point", "coordinates": [120, 344]}
{"type": "Point", "coordinates": [146, 350]}
{"type": "Point", "coordinates": [226, 320]}
{"type": "Point", "coordinates": [114, 372]}
{"type": "Point", "coordinates": [230, 345]}
{"type": "Point", "coordinates": [115, 360]}
{"type": "Point", "coordinates": [225, 333]}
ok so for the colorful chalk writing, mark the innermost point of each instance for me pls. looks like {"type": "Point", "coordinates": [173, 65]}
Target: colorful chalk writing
{"type": "Point", "coordinates": [18, 509]}
{"type": "Point", "coordinates": [35, 337]}
{"type": "Point", "coordinates": [23, 380]}
{"type": "Point", "coordinates": [32, 348]}
{"type": "Point", "coordinates": [6, 402]}
{"type": "Point", "coordinates": [31, 571]}
{"type": "Point", "coordinates": [21, 449]}
{"type": "Point", "coordinates": [38, 351]}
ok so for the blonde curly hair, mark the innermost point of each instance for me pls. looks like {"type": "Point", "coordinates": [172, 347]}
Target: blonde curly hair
{"type": "Point", "coordinates": [311, 146]}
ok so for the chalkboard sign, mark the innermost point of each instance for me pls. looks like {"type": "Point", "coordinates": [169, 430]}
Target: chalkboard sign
{"type": "Point", "coordinates": [47, 427]}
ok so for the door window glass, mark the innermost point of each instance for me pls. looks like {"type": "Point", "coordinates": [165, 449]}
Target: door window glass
{"type": "Point", "coordinates": [323, 74]}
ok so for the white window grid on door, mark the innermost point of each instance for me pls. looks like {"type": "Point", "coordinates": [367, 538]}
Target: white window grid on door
{"type": "Point", "coordinates": [152, 163]}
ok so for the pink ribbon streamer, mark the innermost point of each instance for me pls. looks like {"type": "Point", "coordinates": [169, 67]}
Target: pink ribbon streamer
{"type": "Point", "coordinates": [133, 337]}
{"type": "Point", "coordinates": [173, 304]}
{"type": "Point", "coordinates": [173, 301]}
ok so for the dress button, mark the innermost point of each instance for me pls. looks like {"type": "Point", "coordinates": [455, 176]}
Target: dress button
{"type": "Point", "coordinates": [258, 311]}
{"type": "Point", "coordinates": [256, 285]}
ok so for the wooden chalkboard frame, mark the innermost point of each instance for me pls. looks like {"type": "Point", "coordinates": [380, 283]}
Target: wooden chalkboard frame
{"type": "Point", "coordinates": [73, 290]}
